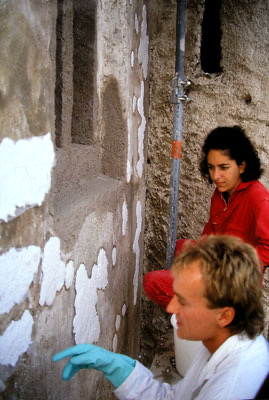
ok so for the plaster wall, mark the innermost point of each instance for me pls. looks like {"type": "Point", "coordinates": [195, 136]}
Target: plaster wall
{"type": "Point", "coordinates": [237, 95]}
{"type": "Point", "coordinates": [73, 124]}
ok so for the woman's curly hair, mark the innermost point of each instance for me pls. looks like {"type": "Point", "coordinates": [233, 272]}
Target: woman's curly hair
{"type": "Point", "coordinates": [234, 142]}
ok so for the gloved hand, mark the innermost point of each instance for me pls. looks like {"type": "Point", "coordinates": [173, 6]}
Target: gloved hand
{"type": "Point", "coordinates": [116, 367]}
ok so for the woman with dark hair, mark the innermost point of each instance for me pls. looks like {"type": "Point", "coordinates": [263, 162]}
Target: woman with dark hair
{"type": "Point", "coordinates": [239, 204]}
{"type": "Point", "coordinates": [234, 143]}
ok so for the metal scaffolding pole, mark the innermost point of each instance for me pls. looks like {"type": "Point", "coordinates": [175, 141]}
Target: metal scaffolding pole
{"type": "Point", "coordinates": [177, 98]}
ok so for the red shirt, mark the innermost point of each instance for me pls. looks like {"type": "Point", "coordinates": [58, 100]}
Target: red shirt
{"type": "Point", "coordinates": [246, 215]}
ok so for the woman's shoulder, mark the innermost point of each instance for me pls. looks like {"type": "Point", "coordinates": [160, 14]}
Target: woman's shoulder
{"type": "Point", "coordinates": [257, 193]}
{"type": "Point", "coordinates": [256, 188]}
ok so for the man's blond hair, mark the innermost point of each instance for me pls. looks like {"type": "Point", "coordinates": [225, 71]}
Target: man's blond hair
{"type": "Point", "coordinates": [232, 275]}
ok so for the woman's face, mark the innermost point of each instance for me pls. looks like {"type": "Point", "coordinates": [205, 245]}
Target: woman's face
{"type": "Point", "coordinates": [224, 171]}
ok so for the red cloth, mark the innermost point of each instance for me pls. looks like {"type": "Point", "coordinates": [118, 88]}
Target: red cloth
{"type": "Point", "coordinates": [158, 285]}
{"type": "Point", "coordinates": [246, 216]}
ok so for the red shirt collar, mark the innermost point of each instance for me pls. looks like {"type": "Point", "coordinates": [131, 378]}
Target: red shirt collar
{"type": "Point", "coordinates": [243, 185]}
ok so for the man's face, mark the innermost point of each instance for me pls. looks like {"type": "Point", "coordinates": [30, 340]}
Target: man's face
{"type": "Point", "coordinates": [195, 320]}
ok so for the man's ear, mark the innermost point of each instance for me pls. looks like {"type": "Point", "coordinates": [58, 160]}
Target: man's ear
{"type": "Point", "coordinates": [242, 167]}
{"type": "Point", "coordinates": [225, 316]}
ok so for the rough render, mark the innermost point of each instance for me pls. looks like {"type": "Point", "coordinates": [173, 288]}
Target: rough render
{"type": "Point", "coordinates": [86, 187]}
{"type": "Point", "coordinates": [81, 222]}
{"type": "Point", "coordinates": [237, 95]}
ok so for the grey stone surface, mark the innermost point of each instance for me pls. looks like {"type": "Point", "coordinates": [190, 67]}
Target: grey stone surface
{"type": "Point", "coordinates": [238, 95]}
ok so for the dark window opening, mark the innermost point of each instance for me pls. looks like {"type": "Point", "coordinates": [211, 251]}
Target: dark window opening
{"type": "Point", "coordinates": [59, 75]}
{"type": "Point", "coordinates": [211, 37]}
{"type": "Point", "coordinates": [84, 71]}
{"type": "Point", "coordinates": [75, 72]}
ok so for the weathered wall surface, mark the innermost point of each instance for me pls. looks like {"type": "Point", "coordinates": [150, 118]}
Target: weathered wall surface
{"type": "Point", "coordinates": [73, 126]}
{"type": "Point", "coordinates": [236, 95]}
{"type": "Point", "coordinates": [73, 121]}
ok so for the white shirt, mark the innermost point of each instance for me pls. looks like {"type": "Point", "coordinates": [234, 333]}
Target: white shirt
{"type": "Point", "coordinates": [235, 371]}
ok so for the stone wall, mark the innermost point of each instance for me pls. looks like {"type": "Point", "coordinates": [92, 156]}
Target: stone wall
{"type": "Point", "coordinates": [73, 124]}
{"type": "Point", "coordinates": [77, 107]}
{"type": "Point", "coordinates": [235, 94]}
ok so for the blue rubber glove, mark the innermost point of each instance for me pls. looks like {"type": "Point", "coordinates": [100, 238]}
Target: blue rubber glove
{"type": "Point", "coordinates": [116, 367]}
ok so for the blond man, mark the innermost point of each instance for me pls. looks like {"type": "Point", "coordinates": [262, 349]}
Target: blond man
{"type": "Point", "coordinates": [217, 300]}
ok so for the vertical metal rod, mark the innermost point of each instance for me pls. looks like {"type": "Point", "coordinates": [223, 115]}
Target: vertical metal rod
{"type": "Point", "coordinates": [177, 131]}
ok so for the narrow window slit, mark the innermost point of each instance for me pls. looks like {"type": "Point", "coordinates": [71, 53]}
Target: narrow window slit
{"type": "Point", "coordinates": [211, 53]}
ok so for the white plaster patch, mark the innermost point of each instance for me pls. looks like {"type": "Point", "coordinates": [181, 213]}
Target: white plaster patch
{"type": "Point", "coordinates": [143, 55]}
{"type": "Point", "coordinates": [86, 325]}
{"type": "Point", "coordinates": [53, 271]}
{"type": "Point", "coordinates": [69, 274]}
{"type": "Point", "coordinates": [130, 155]}
{"type": "Point", "coordinates": [115, 343]}
{"type": "Point", "coordinates": [141, 132]}
{"type": "Point", "coordinates": [136, 23]}
{"type": "Point", "coordinates": [114, 256]}
{"type": "Point", "coordinates": [16, 339]}
{"type": "Point", "coordinates": [17, 270]}
{"type": "Point", "coordinates": [136, 248]}
{"type": "Point", "coordinates": [132, 59]}
{"type": "Point", "coordinates": [134, 103]}
{"type": "Point", "coordinates": [25, 174]}
{"type": "Point", "coordinates": [123, 310]}
{"type": "Point", "coordinates": [117, 323]}
{"type": "Point", "coordinates": [124, 217]}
